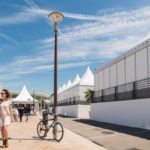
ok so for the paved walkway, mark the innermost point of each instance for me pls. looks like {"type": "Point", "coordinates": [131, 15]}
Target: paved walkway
{"type": "Point", "coordinates": [112, 137]}
{"type": "Point", "coordinates": [23, 136]}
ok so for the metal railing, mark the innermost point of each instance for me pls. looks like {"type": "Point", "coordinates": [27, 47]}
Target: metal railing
{"type": "Point", "coordinates": [71, 101]}
{"type": "Point", "coordinates": [129, 91]}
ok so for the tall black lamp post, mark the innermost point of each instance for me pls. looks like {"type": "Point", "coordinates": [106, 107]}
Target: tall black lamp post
{"type": "Point", "coordinates": [33, 101]}
{"type": "Point", "coordinates": [55, 18]}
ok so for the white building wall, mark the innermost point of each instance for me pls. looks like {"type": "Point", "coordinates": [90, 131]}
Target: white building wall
{"type": "Point", "coordinates": [69, 93]}
{"type": "Point", "coordinates": [96, 84]}
{"type": "Point", "coordinates": [141, 64]}
{"type": "Point", "coordinates": [106, 78]}
{"type": "Point", "coordinates": [78, 111]}
{"type": "Point", "coordinates": [84, 111]}
{"type": "Point", "coordinates": [71, 110]}
{"type": "Point", "coordinates": [76, 91]}
{"type": "Point", "coordinates": [100, 80]}
{"type": "Point", "coordinates": [130, 69]}
{"type": "Point", "coordinates": [134, 113]}
{"type": "Point", "coordinates": [62, 95]}
{"type": "Point", "coordinates": [113, 75]}
{"type": "Point", "coordinates": [65, 94]}
{"type": "Point", "coordinates": [121, 72]}
{"type": "Point", "coordinates": [148, 61]}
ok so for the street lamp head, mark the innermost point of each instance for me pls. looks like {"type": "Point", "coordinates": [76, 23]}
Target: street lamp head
{"type": "Point", "coordinates": [56, 17]}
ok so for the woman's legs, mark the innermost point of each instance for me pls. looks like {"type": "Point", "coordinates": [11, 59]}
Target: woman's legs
{"type": "Point", "coordinates": [4, 133]}
{"type": "Point", "coordinates": [3, 136]}
{"type": "Point", "coordinates": [6, 136]}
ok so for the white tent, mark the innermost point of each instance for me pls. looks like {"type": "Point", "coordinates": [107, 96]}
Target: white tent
{"type": "Point", "coordinates": [24, 97]}
{"type": "Point", "coordinates": [68, 84]}
{"type": "Point", "coordinates": [63, 88]}
{"type": "Point", "coordinates": [76, 80]}
{"type": "Point", "coordinates": [73, 96]}
{"type": "Point", "coordinates": [87, 78]}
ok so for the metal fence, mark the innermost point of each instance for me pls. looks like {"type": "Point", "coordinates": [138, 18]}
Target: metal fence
{"type": "Point", "coordinates": [129, 91]}
{"type": "Point", "coordinates": [71, 101]}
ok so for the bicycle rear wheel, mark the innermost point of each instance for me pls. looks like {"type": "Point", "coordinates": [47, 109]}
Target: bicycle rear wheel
{"type": "Point", "coordinates": [41, 129]}
{"type": "Point", "coordinates": [58, 131]}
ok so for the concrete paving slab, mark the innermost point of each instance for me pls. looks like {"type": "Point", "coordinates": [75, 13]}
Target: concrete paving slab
{"type": "Point", "coordinates": [23, 136]}
{"type": "Point", "coordinates": [110, 136]}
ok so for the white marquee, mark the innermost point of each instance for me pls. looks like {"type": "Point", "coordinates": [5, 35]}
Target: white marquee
{"type": "Point", "coordinates": [23, 97]}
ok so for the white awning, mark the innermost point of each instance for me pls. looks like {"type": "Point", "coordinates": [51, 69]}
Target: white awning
{"type": "Point", "coordinates": [24, 96]}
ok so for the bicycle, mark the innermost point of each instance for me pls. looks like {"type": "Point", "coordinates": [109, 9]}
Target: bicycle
{"type": "Point", "coordinates": [46, 124]}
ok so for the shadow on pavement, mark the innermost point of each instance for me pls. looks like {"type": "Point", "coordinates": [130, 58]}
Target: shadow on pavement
{"type": "Point", "coordinates": [62, 116]}
{"type": "Point", "coordinates": [142, 133]}
{"type": "Point", "coordinates": [30, 139]}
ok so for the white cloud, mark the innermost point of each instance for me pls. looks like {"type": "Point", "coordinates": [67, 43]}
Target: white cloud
{"type": "Point", "coordinates": [9, 72]}
{"type": "Point", "coordinates": [31, 3]}
{"type": "Point", "coordinates": [17, 18]}
{"type": "Point", "coordinates": [120, 18]}
{"type": "Point", "coordinates": [8, 38]}
{"type": "Point", "coordinates": [113, 33]}
{"type": "Point", "coordinates": [96, 38]}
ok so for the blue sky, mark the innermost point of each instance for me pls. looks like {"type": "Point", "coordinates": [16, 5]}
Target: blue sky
{"type": "Point", "coordinates": [92, 33]}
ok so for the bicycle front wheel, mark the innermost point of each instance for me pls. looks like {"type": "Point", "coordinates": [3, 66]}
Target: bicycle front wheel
{"type": "Point", "coordinates": [41, 129]}
{"type": "Point", "coordinates": [58, 131]}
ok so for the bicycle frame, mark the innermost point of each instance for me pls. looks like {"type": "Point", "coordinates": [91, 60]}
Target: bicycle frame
{"type": "Point", "coordinates": [48, 127]}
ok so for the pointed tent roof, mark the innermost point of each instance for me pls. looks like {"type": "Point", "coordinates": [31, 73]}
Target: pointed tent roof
{"type": "Point", "coordinates": [68, 84]}
{"type": "Point", "coordinates": [87, 78]}
{"type": "Point", "coordinates": [76, 80]}
{"type": "Point", "coordinates": [24, 95]}
{"type": "Point", "coordinates": [63, 88]}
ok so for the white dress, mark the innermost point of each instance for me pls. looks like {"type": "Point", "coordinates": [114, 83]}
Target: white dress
{"type": "Point", "coordinates": [5, 113]}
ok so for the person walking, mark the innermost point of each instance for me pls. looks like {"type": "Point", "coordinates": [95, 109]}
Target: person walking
{"type": "Point", "coordinates": [6, 115]}
{"type": "Point", "coordinates": [21, 111]}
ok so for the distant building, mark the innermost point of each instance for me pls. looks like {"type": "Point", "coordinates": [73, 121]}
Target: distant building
{"type": "Point", "coordinates": [71, 96]}
{"type": "Point", "coordinates": [122, 89]}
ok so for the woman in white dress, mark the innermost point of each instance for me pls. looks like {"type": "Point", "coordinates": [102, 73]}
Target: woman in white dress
{"type": "Point", "coordinates": [6, 115]}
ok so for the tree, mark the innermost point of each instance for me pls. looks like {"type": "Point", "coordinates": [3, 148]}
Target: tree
{"type": "Point", "coordinates": [89, 96]}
